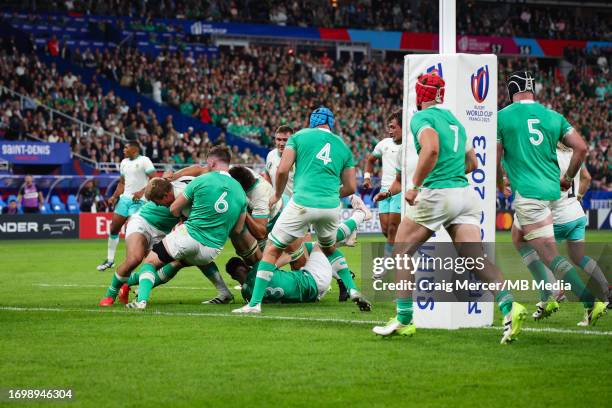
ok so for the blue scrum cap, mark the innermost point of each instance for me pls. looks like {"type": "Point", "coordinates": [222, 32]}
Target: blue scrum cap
{"type": "Point", "coordinates": [322, 116]}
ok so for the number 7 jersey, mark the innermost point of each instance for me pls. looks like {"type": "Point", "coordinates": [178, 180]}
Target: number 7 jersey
{"type": "Point", "coordinates": [529, 133]}
{"type": "Point", "coordinates": [320, 159]}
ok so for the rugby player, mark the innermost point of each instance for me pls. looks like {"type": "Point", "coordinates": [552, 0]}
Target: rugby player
{"type": "Point", "coordinates": [273, 159]}
{"type": "Point", "coordinates": [388, 151]}
{"type": "Point", "coordinates": [528, 134]}
{"type": "Point", "coordinates": [569, 224]}
{"type": "Point", "coordinates": [324, 172]}
{"type": "Point", "coordinates": [135, 171]}
{"type": "Point", "coordinates": [218, 208]}
{"type": "Point", "coordinates": [442, 197]}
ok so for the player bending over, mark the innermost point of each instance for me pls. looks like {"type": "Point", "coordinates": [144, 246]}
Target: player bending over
{"type": "Point", "coordinates": [527, 135]}
{"type": "Point", "coordinates": [218, 208]}
{"type": "Point", "coordinates": [442, 197]}
{"type": "Point", "coordinates": [388, 151]}
{"type": "Point", "coordinates": [569, 223]}
{"type": "Point", "coordinates": [135, 171]}
{"type": "Point", "coordinates": [322, 164]}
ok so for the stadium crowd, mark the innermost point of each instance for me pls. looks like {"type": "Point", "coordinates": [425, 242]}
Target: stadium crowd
{"type": "Point", "coordinates": [475, 17]}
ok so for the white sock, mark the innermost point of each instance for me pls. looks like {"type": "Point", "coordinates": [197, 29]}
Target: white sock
{"type": "Point", "coordinates": [217, 280]}
{"type": "Point", "coordinates": [595, 272]}
{"type": "Point", "coordinates": [112, 248]}
{"type": "Point", "coordinates": [358, 216]}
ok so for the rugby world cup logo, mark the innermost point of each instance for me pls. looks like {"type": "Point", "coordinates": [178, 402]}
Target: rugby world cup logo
{"type": "Point", "coordinates": [480, 84]}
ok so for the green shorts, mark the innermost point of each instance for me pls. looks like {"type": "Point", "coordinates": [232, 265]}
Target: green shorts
{"type": "Point", "coordinates": [392, 204]}
{"type": "Point", "coordinates": [126, 206]}
{"type": "Point", "coordinates": [571, 231]}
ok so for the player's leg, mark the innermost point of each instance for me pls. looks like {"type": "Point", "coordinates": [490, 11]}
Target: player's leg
{"type": "Point", "coordinates": [224, 296]}
{"type": "Point", "coordinates": [575, 249]}
{"type": "Point", "coordinates": [156, 258]}
{"type": "Point", "coordinates": [347, 232]}
{"type": "Point", "coordinates": [536, 221]}
{"type": "Point", "coordinates": [395, 210]}
{"type": "Point", "coordinates": [290, 226]}
{"type": "Point", "coordinates": [319, 267]}
{"type": "Point", "coordinates": [120, 216]}
{"type": "Point", "coordinates": [136, 245]}
{"type": "Point", "coordinates": [465, 236]}
{"type": "Point", "coordinates": [410, 235]}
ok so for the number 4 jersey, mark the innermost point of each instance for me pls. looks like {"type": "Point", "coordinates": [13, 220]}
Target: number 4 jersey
{"type": "Point", "coordinates": [217, 200]}
{"type": "Point", "coordinates": [320, 159]}
{"type": "Point", "coordinates": [529, 133]}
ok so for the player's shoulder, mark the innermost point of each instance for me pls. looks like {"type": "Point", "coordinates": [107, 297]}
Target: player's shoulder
{"type": "Point", "coordinates": [384, 142]}
{"type": "Point", "coordinates": [270, 157]}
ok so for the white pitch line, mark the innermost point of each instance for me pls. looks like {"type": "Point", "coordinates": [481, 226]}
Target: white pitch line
{"type": "Point", "coordinates": [76, 286]}
{"type": "Point", "coordinates": [287, 318]}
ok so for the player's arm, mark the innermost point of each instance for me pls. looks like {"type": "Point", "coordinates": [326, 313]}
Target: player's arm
{"type": "Point", "coordinates": [282, 174]}
{"type": "Point", "coordinates": [584, 184]}
{"type": "Point", "coordinates": [394, 188]}
{"type": "Point", "coordinates": [179, 203]}
{"type": "Point", "coordinates": [258, 227]}
{"type": "Point", "coordinates": [239, 226]}
{"type": "Point", "coordinates": [191, 171]}
{"type": "Point", "coordinates": [118, 191]}
{"type": "Point", "coordinates": [369, 169]}
{"type": "Point", "coordinates": [266, 176]}
{"type": "Point", "coordinates": [349, 182]}
{"type": "Point", "coordinates": [428, 156]}
{"type": "Point", "coordinates": [576, 142]}
{"type": "Point", "coordinates": [471, 163]}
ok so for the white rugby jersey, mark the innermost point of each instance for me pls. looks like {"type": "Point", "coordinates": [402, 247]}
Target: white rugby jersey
{"type": "Point", "coordinates": [135, 173]}
{"type": "Point", "coordinates": [567, 208]}
{"type": "Point", "coordinates": [390, 153]}
{"type": "Point", "coordinates": [258, 199]}
{"type": "Point", "coordinates": [178, 186]}
{"type": "Point", "coordinates": [272, 163]}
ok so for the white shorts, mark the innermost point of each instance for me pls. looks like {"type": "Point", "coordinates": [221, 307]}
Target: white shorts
{"type": "Point", "coordinates": [137, 224]}
{"type": "Point", "coordinates": [528, 211]}
{"type": "Point", "coordinates": [441, 207]}
{"type": "Point", "coordinates": [182, 247]}
{"type": "Point", "coordinates": [320, 269]}
{"type": "Point", "coordinates": [295, 220]}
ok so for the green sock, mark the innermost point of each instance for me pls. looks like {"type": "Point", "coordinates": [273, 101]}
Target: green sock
{"type": "Point", "coordinates": [537, 269]}
{"type": "Point", "coordinates": [309, 246]}
{"type": "Point", "coordinates": [504, 301]}
{"type": "Point", "coordinates": [564, 270]}
{"type": "Point", "coordinates": [340, 267]}
{"type": "Point", "coordinates": [165, 273]}
{"type": "Point", "coordinates": [146, 281]}
{"type": "Point", "coordinates": [403, 307]}
{"type": "Point", "coordinates": [133, 279]}
{"type": "Point", "coordinates": [346, 229]}
{"type": "Point", "coordinates": [264, 276]}
{"type": "Point", "coordinates": [115, 285]}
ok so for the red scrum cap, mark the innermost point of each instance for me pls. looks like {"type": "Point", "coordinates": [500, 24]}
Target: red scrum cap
{"type": "Point", "coordinates": [429, 87]}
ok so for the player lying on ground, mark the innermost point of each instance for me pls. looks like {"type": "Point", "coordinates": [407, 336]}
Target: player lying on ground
{"type": "Point", "coordinates": [569, 224]}
{"type": "Point", "coordinates": [218, 208]}
{"type": "Point", "coordinates": [309, 284]}
{"type": "Point", "coordinates": [388, 151]}
{"type": "Point", "coordinates": [442, 197]}
{"type": "Point", "coordinates": [323, 163]}
{"type": "Point", "coordinates": [528, 134]}
{"type": "Point", "coordinates": [135, 171]}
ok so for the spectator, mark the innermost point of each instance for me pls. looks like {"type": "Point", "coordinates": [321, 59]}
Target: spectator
{"type": "Point", "coordinates": [53, 46]}
{"type": "Point", "coordinates": [89, 197]}
{"type": "Point", "coordinates": [30, 198]}
{"type": "Point", "coordinates": [12, 208]}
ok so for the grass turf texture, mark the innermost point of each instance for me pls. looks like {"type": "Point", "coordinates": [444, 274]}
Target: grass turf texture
{"type": "Point", "coordinates": [182, 353]}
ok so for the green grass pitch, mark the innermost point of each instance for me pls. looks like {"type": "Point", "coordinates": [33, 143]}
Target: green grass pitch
{"type": "Point", "coordinates": [182, 353]}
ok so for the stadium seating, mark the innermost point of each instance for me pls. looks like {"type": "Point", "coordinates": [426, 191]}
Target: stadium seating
{"type": "Point", "coordinates": [72, 205]}
{"type": "Point", "coordinates": [56, 205]}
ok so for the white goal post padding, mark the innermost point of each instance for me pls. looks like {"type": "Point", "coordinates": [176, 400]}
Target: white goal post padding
{"type": "Point", "coordinates": [471, 94]}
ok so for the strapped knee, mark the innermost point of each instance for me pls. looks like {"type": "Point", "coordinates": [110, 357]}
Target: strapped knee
{"type": "Point", "coordinates": [543, 232]}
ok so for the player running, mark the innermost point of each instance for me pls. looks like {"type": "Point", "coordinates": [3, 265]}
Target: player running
{"type": "Point", "coordinates": [569, 223]}
{"type": "Point", "coordinates": [388, 151]}
{"type": "Point", "coordinates": [135, 171]}
{"type": "Point", "coordinates": [218, 208]}
{"type": "Point", "coordinates": [324, 172]}
{"type": "Point", "coordinates": [528, 134]}
{"type": "Point", "coordinates": [282, 134]}
{"type": "Point", "coordinates": [442, 197]}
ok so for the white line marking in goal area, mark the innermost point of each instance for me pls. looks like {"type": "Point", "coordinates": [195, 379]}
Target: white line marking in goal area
{"type": "Point", "coordinates": [267, 317]}
{"type": "Point", "coordinates": [76, 286]}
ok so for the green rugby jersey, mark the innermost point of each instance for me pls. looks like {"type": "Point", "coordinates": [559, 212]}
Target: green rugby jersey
{"type": "Point", "coordinates": [217, 202]}
{"type": "Point", "coordinates": [159, 216]}
{"type": "Point", "coordinates": [284, 287]}
{"type": "Point", "coordinates": [320, 159]}
{"type": "Point", "coordinates": [449, 171]}
{"type": "Point", "coordinates": [529, 133]}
